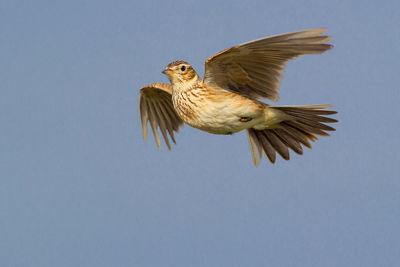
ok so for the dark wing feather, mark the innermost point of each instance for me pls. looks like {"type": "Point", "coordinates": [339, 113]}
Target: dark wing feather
{"type": "Point", "coordinates": [254, 69]}
{"type": "Point", "coordinates": [156, 107]}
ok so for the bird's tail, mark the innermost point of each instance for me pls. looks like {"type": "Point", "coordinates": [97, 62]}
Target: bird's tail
{"type": "Point", "coordinates": [300, 126]}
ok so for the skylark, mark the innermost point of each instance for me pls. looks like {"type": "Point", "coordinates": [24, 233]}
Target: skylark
{"type": "Point", "coordinates": [226, 100]}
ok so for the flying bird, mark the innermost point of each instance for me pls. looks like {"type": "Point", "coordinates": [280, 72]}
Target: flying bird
{"type": "Point", "coordinates": [227, 99]}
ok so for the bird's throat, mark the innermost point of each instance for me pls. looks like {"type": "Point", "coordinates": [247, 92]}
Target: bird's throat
{"type": "Point", "coordinates": [185, 85]}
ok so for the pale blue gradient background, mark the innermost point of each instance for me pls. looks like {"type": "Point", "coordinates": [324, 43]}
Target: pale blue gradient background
{"type": "Point", "coordinates": [79, 187]}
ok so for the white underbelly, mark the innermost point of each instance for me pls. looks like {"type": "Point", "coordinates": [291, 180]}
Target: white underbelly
{"type": "Point", "coordinates": [225, 118]}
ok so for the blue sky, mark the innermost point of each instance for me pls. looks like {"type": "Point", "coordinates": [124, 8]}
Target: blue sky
{"type": "Point", "coordinates": [79, 187]}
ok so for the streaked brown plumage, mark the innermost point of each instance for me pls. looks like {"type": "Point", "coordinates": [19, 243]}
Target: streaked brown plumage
{"type": "Point", "coordinates": [226, 101]}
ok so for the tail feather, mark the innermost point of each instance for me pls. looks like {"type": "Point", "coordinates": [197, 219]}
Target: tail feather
{"type": "Point", "coordinates": [290, 141]}
{"type": "Point", "coordinates": [267, 146]}
{"type": "Point", "coordinates": [277, 143]}
{"type": "Point", "coordinates": [300, 136]}
{"type": "Point", "coordinates": [301, 127]}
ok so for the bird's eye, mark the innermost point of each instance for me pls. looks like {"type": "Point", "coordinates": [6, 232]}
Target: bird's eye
{"type": "Point", "coordinates": [183, 68]}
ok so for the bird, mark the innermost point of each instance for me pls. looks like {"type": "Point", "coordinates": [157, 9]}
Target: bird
{"type": "Point", "coordinates": [228, 98]}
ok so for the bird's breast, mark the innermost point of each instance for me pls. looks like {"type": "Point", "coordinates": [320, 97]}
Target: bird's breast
{"type": "Point", "coordinates": [188, 104]}
{"type": "Point", "coordinates": [218, 112]}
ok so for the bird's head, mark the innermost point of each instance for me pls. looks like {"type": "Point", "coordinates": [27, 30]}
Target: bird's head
{"type": "Point", "coordinates": [180, 72]}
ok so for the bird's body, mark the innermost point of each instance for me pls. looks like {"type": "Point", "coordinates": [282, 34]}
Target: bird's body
{"type": "Point", "coordinates": [216, 111]}
{"type": "Point", "coordinates": [226, 101]}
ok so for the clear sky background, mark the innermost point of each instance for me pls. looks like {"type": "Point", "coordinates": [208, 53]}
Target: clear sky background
{"type": "Point", "coordinates": [79, 187]}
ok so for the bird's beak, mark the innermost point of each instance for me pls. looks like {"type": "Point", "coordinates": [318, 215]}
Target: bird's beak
{"type": "Point", "coordinates": [166, 71]}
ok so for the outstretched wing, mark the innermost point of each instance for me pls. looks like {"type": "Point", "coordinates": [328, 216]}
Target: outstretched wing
{"type": "Point", "coordinates": [254, 69]}
{"type": "Point", "coordinates": [156, 106]}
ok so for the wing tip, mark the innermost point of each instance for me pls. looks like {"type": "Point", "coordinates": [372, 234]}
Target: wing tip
{"type": "Point", "coordinates": [320, 30]}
